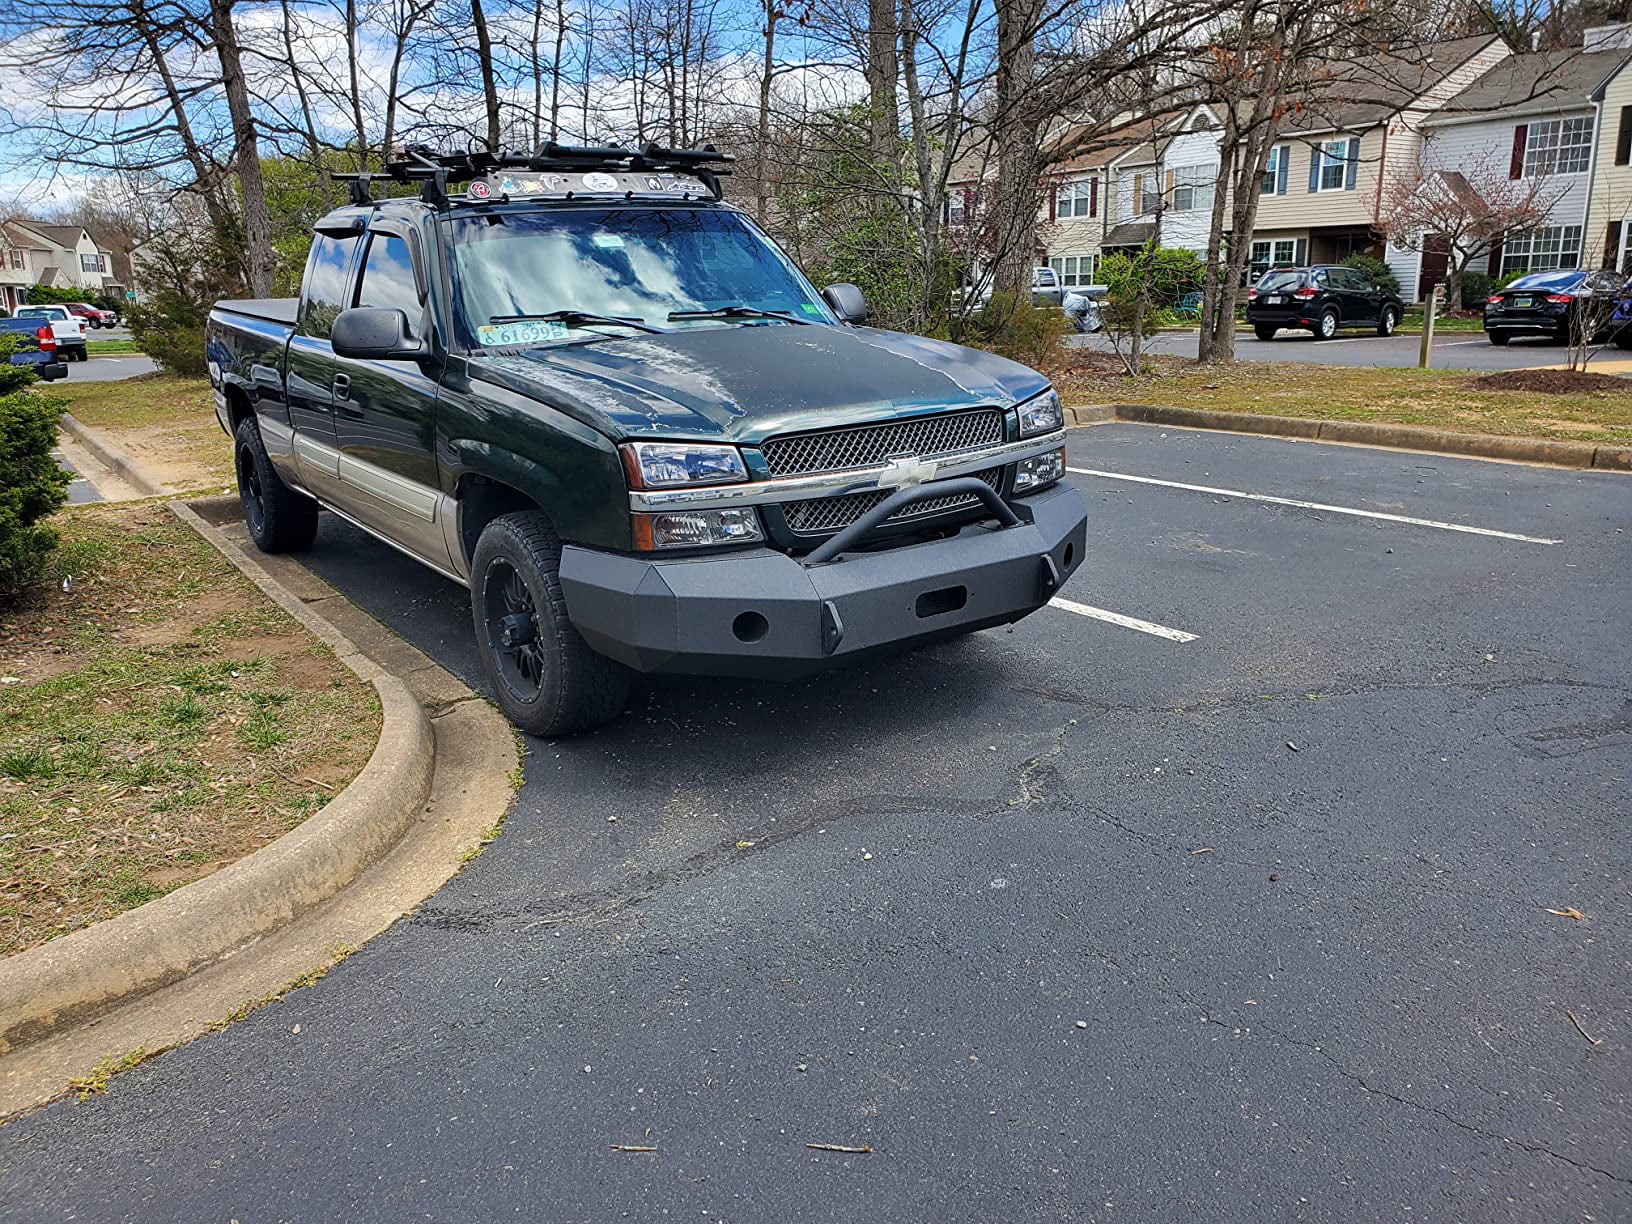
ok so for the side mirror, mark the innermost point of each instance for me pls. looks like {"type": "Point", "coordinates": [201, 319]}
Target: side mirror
{"type": "Point", "coordinates": [365, 333]}
{"type": "Point", "coordinates": [847, 302]}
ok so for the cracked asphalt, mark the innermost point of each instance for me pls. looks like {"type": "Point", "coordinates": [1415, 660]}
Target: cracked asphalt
{"type": "Point", "coordinates": [1068, 922]}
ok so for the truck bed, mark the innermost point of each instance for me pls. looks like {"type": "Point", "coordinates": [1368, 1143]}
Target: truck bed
{"type": "Point", "coordinates": [273, 310]}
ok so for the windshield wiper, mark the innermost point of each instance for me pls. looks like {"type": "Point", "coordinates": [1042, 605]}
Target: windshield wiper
{"type": "Point", "coordinates": [736, 312]}
{"type": "Point", "coordinates": [573, 318]}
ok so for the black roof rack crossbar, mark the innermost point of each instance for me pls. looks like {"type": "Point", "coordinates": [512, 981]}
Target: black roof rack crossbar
{"type": "Point", "coordinates": [420, 164]}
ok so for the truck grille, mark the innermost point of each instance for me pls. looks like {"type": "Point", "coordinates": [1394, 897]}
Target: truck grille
{"type": "Point", "coordinates": [828, 514]}
{"type": "Point", "coordinates": [834, 450]}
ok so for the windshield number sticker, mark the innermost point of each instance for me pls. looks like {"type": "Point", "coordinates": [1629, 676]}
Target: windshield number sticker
{"type": "Point", "coordinates": [608, 242]}
{"type": "Point", "coordinates": [533, 331]}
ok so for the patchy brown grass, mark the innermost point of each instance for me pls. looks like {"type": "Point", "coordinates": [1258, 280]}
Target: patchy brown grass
{"type": "Point", "coordinates": [158, 720]}
{"type": "Point", "coordinates": [163, 421]}
{"type": "Point", "coordinates": [1597, 408]}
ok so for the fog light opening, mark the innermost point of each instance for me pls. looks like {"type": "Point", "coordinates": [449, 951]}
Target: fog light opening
{"type": "Point", "coordinates": [939, 603]}
{"type": "Point", "coordinates": [1070, 555]}
{"type": "Point", "coordinates": [750, 626]}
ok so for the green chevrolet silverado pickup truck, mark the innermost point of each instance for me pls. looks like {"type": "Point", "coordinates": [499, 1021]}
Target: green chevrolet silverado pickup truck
{"type": "Point", "coordinates": [603, 399]}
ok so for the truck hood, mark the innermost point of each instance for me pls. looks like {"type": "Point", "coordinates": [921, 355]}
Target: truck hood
{"type": "Point", "coordinates": [746, 383]}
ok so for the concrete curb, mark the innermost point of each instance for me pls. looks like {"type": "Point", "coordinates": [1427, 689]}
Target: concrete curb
{"type": "Point", "coordinates": [110, 456]}
{"type": "Point", "coordinates": [1403, 437]}
{"type": "Point", "coordinates": [89, 972]}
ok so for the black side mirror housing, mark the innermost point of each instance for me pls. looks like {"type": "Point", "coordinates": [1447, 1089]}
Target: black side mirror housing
{"type": "Point", "coordinates": [365, 333]}
{"type": "Point", "coordinates": [846, 302]}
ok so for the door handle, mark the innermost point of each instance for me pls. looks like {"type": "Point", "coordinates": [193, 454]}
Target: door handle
{"type": "Point", "coordinates": [341, 386]}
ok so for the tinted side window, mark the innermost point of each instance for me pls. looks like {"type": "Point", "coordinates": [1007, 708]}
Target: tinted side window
{"type": "Point", "coordinates": [323, 290]}
{"type": "Point", "coordinates": [387, 282]}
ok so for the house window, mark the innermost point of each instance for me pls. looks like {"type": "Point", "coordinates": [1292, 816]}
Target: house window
{"type": "Point", "coordinates": [14, 258]}
{"type": "Point", "coordinates": [1272, 253]}
{"type": "Point", "coordinates": [1193, 188]}
{"type": "Point", "coordinates": [957, 207]}
{"type": "Point", "coordinates": [87, 263]}
{"type": "Point", "coordinates": [1074, 199]}
{"type": "Point", "coordinates": [1541, 250]}
{"type": "Point", "coordinates": [1274, 171]}
{"type": "Point", "coordinates": [1334, 164]}
{"type": "Point", "coordinates": [1073, 269]}
{"type": "Point", "coordinates": [1558, 146]}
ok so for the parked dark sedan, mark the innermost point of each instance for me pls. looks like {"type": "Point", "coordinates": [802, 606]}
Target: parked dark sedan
{"type": "Point", "coordinates": [1549, 303]}
{"type": "Point", "coordinates": [1323, 299]}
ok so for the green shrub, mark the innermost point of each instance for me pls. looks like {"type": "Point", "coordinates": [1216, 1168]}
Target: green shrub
{"type": "Point", "coordinates": [31, 483]}
{"type": "Point", "coordinates": [1376, 269]}
{"type": "Point", "coordinates": [46, 295]}
{"type": "Point", "coordinates": [1507, 278]}
{"type": "Point", "coordinates": [183, 274]}
{"type": "Point", "coordinates": [1476, 287]}
{"type": "Point", "coordinates": [1015, 329]}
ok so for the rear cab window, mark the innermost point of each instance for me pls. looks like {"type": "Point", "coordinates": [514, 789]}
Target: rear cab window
{"type": "Point", "coordinates": [323, 288]}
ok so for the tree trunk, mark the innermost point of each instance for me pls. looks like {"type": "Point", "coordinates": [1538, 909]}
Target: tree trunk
{"type": "Point", "coordinates": [490, 86]}
{"type": "Point", "coordinates": [314, 147]}
{"type": "Point", "coordinates": [762, 154]}
{"type": "Point", "coordinates": [246, 153]}
{"type": "Point", "coordinates": [358, 124]}
{"type": "Point", "coordinates": [882, 74]}
{"type": "Point", "coordinates": [555, 83]}
{"type": "Point", "coordinates": [1018, 157]}
{"type": "Point", "coordinates": [930, 194]}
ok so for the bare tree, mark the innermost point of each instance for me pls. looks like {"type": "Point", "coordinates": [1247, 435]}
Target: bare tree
{"type": "Point", "coordinates": [1465, 212]}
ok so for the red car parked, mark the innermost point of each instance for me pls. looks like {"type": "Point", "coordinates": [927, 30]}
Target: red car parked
{"type": "Point", "coordinates": [93, 316]}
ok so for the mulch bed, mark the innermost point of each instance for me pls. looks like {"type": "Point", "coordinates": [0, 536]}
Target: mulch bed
{"type": "Point", "coordinates": [1552, 382]}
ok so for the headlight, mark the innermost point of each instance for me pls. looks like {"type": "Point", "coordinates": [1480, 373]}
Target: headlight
{"type": "Point", "coordinates": [1042, 414]}
{"type": "Point", "coordinates": [693, 528]}
{"type": "Point", "coordinates": [1039, 470]}
{"type": "Point", "coordinates": [664, 465]}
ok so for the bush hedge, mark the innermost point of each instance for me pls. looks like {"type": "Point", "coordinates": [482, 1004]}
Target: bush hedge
{"type": "Point", "coordinates": [31, 483]}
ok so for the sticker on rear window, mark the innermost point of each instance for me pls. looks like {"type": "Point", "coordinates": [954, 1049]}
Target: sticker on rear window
{"type": "Point", "coordinates": [533, 331]}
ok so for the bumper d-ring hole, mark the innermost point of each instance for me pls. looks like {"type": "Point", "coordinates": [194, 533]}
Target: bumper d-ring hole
{"type": "Point", "coordinates": [750, 626]}
{"type": "Point", "coordinates": [939, 603]}
{"type": "Point", "coordinates": [1070, 555]}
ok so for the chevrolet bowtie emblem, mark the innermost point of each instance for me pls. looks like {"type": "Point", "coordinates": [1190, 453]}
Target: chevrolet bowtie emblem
{"type": "Point", "coordinates": [903, 470]}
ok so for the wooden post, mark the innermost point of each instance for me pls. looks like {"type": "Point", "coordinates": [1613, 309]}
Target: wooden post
{"type": "Point", "coordinates": [1429, 309]}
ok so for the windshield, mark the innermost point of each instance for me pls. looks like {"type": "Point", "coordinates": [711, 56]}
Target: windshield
{"type": "Point", "coordinates": [641, 264]}
{"type": "Point", "coordinates": [1547, 280]}
{"type": "Point", "coordinates": [1280, 280]}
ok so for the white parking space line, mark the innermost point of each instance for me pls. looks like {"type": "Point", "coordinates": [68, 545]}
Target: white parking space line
{"type": "Point", "coordinates": [1127, 622]}
{"type": "Point", "coordinates": [1321, 506]}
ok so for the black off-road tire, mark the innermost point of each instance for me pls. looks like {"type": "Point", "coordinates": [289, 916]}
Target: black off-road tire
{"type": "Point", "coordinates": [279, 518]}
{"type": "Point", "coordinates": [1264, 331]}
{"type": "Point", "coordinates": [1321, 330]}
{"type": "Point", "coordinates": [552, 683]}
{"type": "Point", "coordinates": [1498, 338]}
{"type": "Point", "coordinates": [1387, 321]}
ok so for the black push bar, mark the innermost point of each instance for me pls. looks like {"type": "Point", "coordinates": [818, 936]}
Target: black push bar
{"type": "Point", "coordinates": [902, 498]}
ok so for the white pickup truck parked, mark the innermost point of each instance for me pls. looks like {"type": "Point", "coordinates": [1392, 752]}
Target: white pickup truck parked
{"type": "Point", "coordinates": [65, 326]}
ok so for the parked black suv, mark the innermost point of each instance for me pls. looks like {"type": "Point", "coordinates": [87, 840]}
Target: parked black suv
{"type": "Point", "coordinates": [1322, 298]}
{"type": "Point", "coordinates": [1548, 303]}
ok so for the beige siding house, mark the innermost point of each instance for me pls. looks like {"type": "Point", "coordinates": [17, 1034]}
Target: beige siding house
{"type": "Point", "coordinates": [1608, 222]}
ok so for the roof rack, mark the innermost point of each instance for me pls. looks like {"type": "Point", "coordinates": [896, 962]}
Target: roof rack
{"type": "Point", "coordinates": [434, 171]}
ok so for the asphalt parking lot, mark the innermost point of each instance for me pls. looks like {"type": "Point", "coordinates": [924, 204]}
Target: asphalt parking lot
{"type": "Point", "coordinates": [1241, 912]}
{"type": "Point", "coordinates": [1452, 350]}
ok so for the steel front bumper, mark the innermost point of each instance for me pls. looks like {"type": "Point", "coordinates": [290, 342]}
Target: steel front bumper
{"type": "Point", "coordinates": [767, 615]}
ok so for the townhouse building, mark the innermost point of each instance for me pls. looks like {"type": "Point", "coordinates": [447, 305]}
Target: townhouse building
{"type": "Point", "coordinates": [1532, 120]}
{"type": "Point", "coordinates": [58, 256]}
{"type": "Point", "coordinates": [1608, 222]}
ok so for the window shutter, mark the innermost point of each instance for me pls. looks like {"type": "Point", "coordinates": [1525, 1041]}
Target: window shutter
{"type": "Point", "coordinates": [1314, 169]}
{"type": "Point", "coordinates": [1612, 245]}
{"type": "Point", "coordinates": [1053, 202]}
{"type": "Point", "coordinates": [1623, 138]}
{"type": "Point", "coordinates": [1515, 168]}
{"type": "Point", "coordinates": [1299, 251]}
{"type": "Point", "coordinates": [1138, 208]}
{"type": "Point", "coordinates": [1354, 163]}
{"type": "Point", "coordinates": [1284, 163]}
{"type": "Point", "coordinates": [1494, 267]}
{"type": "Point", "coordinates": [1167, 188]}
{"type": "Point", "coordinates": [1093, 196]}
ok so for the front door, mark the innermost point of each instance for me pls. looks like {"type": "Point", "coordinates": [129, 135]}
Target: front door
{"type": "Point", "coordinates": [309, 374]}
{"type": "Point", "coordinates": [385, 411]}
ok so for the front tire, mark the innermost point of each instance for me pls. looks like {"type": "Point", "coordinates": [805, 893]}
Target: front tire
{"type": "Point", "coordinates": [1326, 326]}
{"type": "Point", "coordinates": [1387, 322]}
{"type": "Point", "coordinates": [1264, 331]}
{"type": "Point", "coordinates": [545, 677]}
{"type": "Point", "coordinates": [279, 519]}
{"type": "Point", "coordinates": [1498, 338]}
